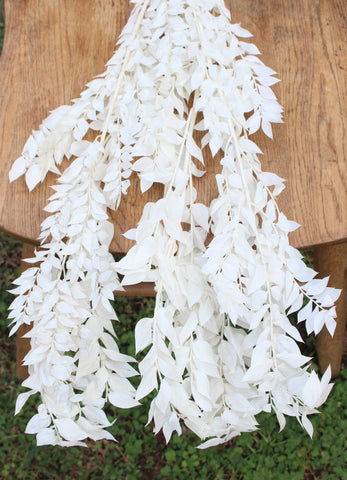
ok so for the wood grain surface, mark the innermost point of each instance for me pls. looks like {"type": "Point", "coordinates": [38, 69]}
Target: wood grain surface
{"type": "Point", "coordinates": [52, 49]}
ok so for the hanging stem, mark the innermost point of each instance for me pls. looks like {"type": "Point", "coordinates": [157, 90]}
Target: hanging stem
{"type": "Point", "coordinates": [239, 158]}
{"type": "Point", "coordinates": [122, 72]}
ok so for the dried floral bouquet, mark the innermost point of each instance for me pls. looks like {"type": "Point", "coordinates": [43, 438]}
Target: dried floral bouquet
{"type": "Point", "coordinates": [220, 346]}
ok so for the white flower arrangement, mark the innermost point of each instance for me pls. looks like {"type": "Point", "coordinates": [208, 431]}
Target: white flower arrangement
{"type": "Point", "coordinates": [222, 348]}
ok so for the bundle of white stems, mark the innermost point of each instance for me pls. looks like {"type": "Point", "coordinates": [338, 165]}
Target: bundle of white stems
{"type": "Point", "coordinates": [220, 346]}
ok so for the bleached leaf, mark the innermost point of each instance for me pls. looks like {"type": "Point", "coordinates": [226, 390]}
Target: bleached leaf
{"type": "Point", "coordinates": [171, 426]}
{"type": "Point", "coordinates": [239, 31]}
{"type": "Point", "coordinates": [297, 304]}
{"type": "Point", "coordinates": [316, 286]}
{"type": "Point", "coordinates": [213, 442]}
{"type": "Point", "coordinates": [30, 147]}
{"type": "Point", "coordinates": [21, 400]}
{"type": "Point", "coordinates": [130, 234]}
{"type": "Point", "coordinates": [270, 179]}
{"type": "Point", "coordinates": [253, 123]}
{"type": "Point", "coordinates": [194, 150]}
{"type": "Point", "coordinates": [46, 437]}
{"type": "Point", "coordinates": [188, 327]}
{"type": "Point", "coordinates": [202, 350]}
{"type": "Point", "coordinates": [18, 169]}
{"type": "Point", "coordinates": [286, 225]}
{"type": "Point", "coordinates": [248, 146]}
{"type": "Point", "coordinates": [281, 420]}
{"type": "Point", "coordinates": [266, 127]}
{"type": "Point", "coordinates": [312, 390]}
{"type": "Point", "coordinates": [143, 333]}
{"type": "Point", "coordinates": [305, 312]}
{"type": "Point", "coordinates": [255, 373]}
{"type": "Point", "coordinates": [96, 415]}
{"type": "Point", "coordinates": [60, 372]}
{"type": "Point", "coordinates": [197, 78]}
{"type": "Point", "coordinates": [33, 176]}
{"type": "Point", "coordinates": [147, 384]}
{"type": "Point", "coordinates": [330, 324]}
{"type": "Point", "coordinates": [307, 425]}
{"type": "Point", "coordinates": [257, 280]}
{"type": "Point", "coordinates": [69, 430]}
{"type": "Point", "coordinates": [201, 215]}
{"type": "Point", "coordinates": [37, 423]}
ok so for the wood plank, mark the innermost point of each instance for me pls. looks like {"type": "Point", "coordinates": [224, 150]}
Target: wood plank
{"type": "Point", "coordinates": [52, 49]}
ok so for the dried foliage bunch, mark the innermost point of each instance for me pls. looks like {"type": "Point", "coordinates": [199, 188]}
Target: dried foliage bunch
{"type": "Point", "coordinates": [220, 346]}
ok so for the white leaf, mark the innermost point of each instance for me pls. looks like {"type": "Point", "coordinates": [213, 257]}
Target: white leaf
{"type": "Point", "coordinates": [249, 48]}
{"type": "Point", "coordinates": [96, 415]}
{"type": "Point", "coordinates": [194, 150]}
{"type": "Point", "coordinates": [270, 179]}
{"type": "Point", "coordinates": [215, 143]}
{"type": "Point", "coordinates": [163, 398]}
{"type": "Point", "coordinates": [294, 360]}
{"type": "Point", "coordinates": [197, 78]}
{"type": "Point", "coordinates": [256, 373]}
{"type": "Point", "coordinates": [83, 126]}
{"type": "Point", "coordinates": [257, 280]}
{"type": "Point", "coordinates": [60, 372]}
{"type": "Point", "coordinates": [205, 311]}
{"type": "Point", "coordinates": [266, 127]}
{"type": "Point", "coordinates": [316, 286]}
{"type": "Point", "coordinates": [202, 350]}
{"type": "Point", "coordinates": [21, 400]}
{"type": "Point", "coordinates": [281, 420]}
{"type": "Point", "coordinates": [188, 327]}
{"type": "Point", "coordinates": [256, 317]}
{"type": "Point", "coordinates": [307, 425]}
{"type": "Point", "coordinates": [130, 234]}
{"type": "Point", "coordinates": [286, 225]}
{"type": "Point", "coordinates": [211, 443]}
{"type": "Point", "coordinates": [330, 324]}
{"type": "Point", "coordinates": [202, 401]}
{"type": "Point", "coordinates": [283, 322]}
{"type": "Point", "coordinates": [30, 147]}
{"type": "Point", "coordinates": [305, 312]}
{"type": "Point", "coordinates": [147, 385]}
{"type": "Point", "coordinates": [253, 123]}
{"type": "Point", "coordinates": [239, 31]}
{"type": "Point", "coordinates": [319, 321]}
{"type": "Point", "coordinates": [248, 146]}
{"type": "Point", "coordinates": [78, 148]}
{"type": "Point", "coordinates": [46, 437]}
{"type": "Point", "coordinates": [296, 304]}
{"type": "Point", "coordinates": [69, 430]}
{"type": "Point", "coordinates": [143, 333]}
{"type": "Point", "coordinates": [311, 391]}
{"type": "Point", "coordinates": [171, 426]}
{"type": "Point", "coordinates": [201, 215]}
{"type": "Point", "coordinates": [18, 169]}
{"type": "Point", "coordinates": [33, 176]}
{"type": "Point", "coordinates": [37, 423]}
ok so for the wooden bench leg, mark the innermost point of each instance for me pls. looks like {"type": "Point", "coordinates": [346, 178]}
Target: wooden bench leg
{"type": "Point", "coordinates": [332, 260]}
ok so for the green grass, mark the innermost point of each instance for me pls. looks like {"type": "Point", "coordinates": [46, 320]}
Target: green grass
{"type": "Point", "coordinates": [265, 454]}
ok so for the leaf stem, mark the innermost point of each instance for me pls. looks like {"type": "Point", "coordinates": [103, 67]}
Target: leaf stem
{"type": "Point", "coordinates": [122, 72]}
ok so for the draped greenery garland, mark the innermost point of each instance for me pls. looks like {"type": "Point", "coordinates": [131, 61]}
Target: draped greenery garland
{"type": "Point", "coordinates": [220, 346]}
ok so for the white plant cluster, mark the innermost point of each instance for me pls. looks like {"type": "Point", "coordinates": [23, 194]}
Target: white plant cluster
{"type": "Point", "coordinates": [220, 347]}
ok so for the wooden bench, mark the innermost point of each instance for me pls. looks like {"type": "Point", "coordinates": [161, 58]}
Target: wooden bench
{"type": "Point", "coordinates": [52, 49]}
